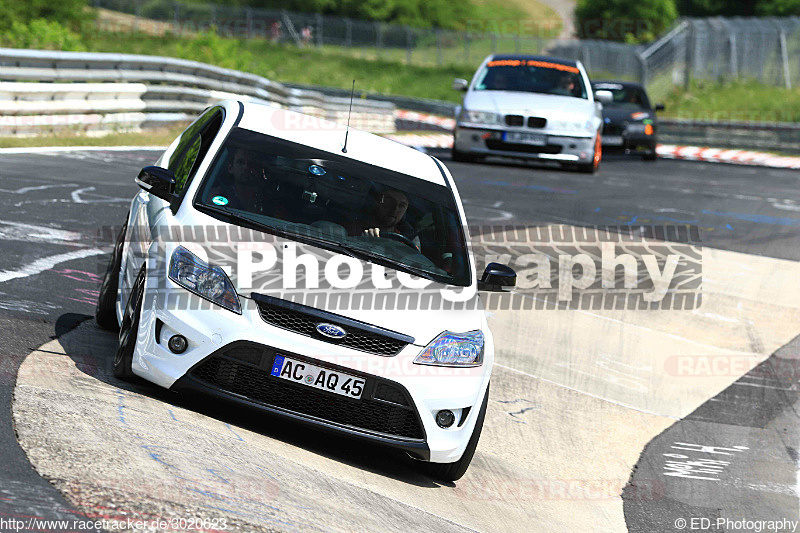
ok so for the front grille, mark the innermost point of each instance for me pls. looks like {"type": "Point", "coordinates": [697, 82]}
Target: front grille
{"type": "Point", "coordinates": [495, 144]}
{"type": "Point", "coordinates": [515, 120]}
{"type": "Point", "coordinates": [613, 129]}
{"type": "Point", "coordinates": [367, 414]}
{"type": "Point", "coordinates": [306, 324]}
{"type": "Point", "coordinates": [537, 122]}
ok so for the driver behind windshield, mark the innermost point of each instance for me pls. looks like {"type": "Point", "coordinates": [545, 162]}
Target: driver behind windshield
{"type": "Point", "coordinates": [387, 216]}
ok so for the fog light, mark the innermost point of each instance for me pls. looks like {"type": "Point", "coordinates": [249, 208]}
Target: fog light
{"type": "Point", "coordinates": [445, 418]}
{"type": "Point", "coordinates": [177, 344]}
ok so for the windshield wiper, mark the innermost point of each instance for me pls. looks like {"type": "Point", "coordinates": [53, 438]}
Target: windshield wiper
{"type": "Point", "coordinates": [335, 246]}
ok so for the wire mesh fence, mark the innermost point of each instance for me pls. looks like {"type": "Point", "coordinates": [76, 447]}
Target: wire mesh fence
{"type": "Point", "coordinates": [763, 49]}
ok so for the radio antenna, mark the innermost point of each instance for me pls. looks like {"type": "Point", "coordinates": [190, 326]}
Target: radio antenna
{"type": "Point", "coordinates": [352, 91]}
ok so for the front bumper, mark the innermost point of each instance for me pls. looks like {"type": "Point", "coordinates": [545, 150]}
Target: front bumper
{"type": "Point", "coordinates": [559, 147]}
{"type": "Point", "coordinates": [240, 373]}
{"type": "Point", "coordinates": [211, 331]}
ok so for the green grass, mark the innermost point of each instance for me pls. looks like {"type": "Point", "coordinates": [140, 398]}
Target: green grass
{"type": "Point", "coordinates": [299, 65]}
{"type": "Point", "coordinates": [151, 137]}
{"type": "Point", "coordinates": [734, 101]}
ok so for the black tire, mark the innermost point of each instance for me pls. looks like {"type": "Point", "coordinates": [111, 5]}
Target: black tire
{"type": "Point", "coordinates": [130, 330]}
{"type": "Point", "coordinates": [597, 155]}
{"type": "Point", "coordinates": [651, 155]}
{"type": "Point", "coordinates": [106, 311]}
{"type": "Point", "coordinates": [455, 471]}
{"type": "Point", "coordinates": [462, 157]}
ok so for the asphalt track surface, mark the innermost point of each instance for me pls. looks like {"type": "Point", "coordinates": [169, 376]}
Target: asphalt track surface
{"type": "Point", "coordinates": [51, 264]}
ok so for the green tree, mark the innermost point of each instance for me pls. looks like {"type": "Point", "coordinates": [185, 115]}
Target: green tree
{"type": "Point", "coordinates": [631, 21]}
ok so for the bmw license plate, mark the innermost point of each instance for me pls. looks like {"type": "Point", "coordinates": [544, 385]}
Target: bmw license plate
{"type": "Point", "coordinates": [517, 137]}
{"type": "Point", "coordinates": [319, 378]}
{"type": "Point", "coordinates": [612, 140]}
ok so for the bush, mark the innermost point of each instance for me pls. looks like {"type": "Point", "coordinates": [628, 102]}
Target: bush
{"type": "Point", "coordinates": [70, 13]}
{"type": "Point", "coordinates": [631, 21]}
{"type": "Point", "coordinates": [41, 34]}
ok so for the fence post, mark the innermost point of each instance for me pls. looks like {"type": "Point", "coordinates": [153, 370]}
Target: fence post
{"type": "Point", "coordinates": [176, 22]}
{"type": "Point", "coordinates": [438, 47]}
{"type": "Point", "coordinates": [466, 47]}
{"type": "Point", "coordinates": [214, 18]}
{"type": "Point", "coordinates": [687, 79]}
{"type": "Point", "coordinates": [408, 45]}
{"type": "Point", "coordinates": [643, 75]}
{"type": "Point", "coordinates": [785, 59]}
{"type": "Point", "coordinates": [516, 44]}
{"type": "Point", "coordinates": [137, 13]}
{"type": "Point", "coordinates": [348, 33]}
{"type": "Point", "coordinates": [494, 43]}
{"type": "Point", "coordinates": [378, 38]}
{"type": "Point", "coordinates": [248, 14]}
{"type": "Point", "coordinates": [734, 62]}
{"type": "Point", "coordinates": [319, 30]}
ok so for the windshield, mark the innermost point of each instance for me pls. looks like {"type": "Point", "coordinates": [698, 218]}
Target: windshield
{"type": "Point", "coordinates": [530, 75]}
{"type": "Point", "coordinates": [625, 97]}
{"type": "Point", "coordinates": [369, 211]}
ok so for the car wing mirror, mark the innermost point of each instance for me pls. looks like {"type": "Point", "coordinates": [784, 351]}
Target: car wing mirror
{"type": "Point", "coordinates": [604, 97]}
{"type": "Point", "coordinates": [460, 84]}
{"type": "Point", "coordinates": [157, 181]}
{"type": "Point", "coordinates": [660, 107]}
{"type": "Point", "coordinates": [497, 277]}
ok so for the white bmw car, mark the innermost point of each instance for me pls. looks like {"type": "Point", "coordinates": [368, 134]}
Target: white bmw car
{"type": "Point", "coordinates": [278, 262]}
{"type": "Point", "coordinates": [530, 107]}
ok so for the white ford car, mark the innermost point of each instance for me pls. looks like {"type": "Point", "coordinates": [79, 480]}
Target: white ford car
{"type": "Point", "coordinates": [530, 107]}
{"type": "Point", "coordinates": [272, 261]}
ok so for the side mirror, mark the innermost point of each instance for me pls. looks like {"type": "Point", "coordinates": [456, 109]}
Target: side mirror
{"type": "Point", "coordinates": [460, 84]}
{"type": "Point", "coordinates": [497, 277]}
{"type": "Point", "coordinates": [660, 107]}
{"type": "Point", "coordinates": [157, 181]}
{"type": "Point", "coordinates": [604, 97]}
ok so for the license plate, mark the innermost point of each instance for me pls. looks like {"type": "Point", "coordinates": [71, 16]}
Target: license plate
{"type": "Point", "coordinates": [319, 378]}
{"type": "Point", "coordinates": [517, 137]}
{"type": "Point", "coordinates": [613, 140]}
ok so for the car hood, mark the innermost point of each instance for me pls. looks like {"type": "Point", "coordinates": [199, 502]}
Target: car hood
{"type": "Point", "coordinates": [522, 103]}
{"type": "Point", "coordinates": [419, 313]}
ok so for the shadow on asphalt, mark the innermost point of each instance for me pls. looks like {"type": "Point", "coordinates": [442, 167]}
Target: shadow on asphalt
{"type": "Point", "coordinates": [370, 457]}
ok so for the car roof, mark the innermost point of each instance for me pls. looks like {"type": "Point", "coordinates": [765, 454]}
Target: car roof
{"type": "Point", "coordinates": [567, 62]}
{"type": "Point", "coordinates": [329, 136]}
{"type": "Point", "coordinates": [625, 84]}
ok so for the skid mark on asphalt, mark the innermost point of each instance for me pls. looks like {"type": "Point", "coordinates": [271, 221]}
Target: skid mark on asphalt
{"type": "Point", "coordinates": [46, 263]}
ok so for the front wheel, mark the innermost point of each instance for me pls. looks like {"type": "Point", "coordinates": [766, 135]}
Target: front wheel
{"type": "Point", "coordinates": [462, 157]}
{"type": "Point", "coordinates": [129, 330]}
{"type": "Point", "coordinates": [597, 156]}
{"type": "Point", "coordinates": [106, 311]}
{"type": "Point", "coordinates": [455, 471]}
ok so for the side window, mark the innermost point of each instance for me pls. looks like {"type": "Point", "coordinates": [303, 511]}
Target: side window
{"type": "Point", "coordinates": [193, 146]}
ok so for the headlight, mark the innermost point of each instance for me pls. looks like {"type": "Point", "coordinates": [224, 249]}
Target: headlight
{"type": "Point", "coordinates": [211, 283]}
{"type": "Point", "coordinates": [453, 349]}
{"type": "Point", "coordinates": [479, 117]}
{"type": "Point", "coordinates": [574, 125]}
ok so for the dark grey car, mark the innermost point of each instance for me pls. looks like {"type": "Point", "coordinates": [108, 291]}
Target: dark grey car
{"type": "Point", "coordinates": [629, 121]}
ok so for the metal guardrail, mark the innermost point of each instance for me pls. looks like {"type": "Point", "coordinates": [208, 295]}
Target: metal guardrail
{"type": "Point", "coordinates": [41, 90]}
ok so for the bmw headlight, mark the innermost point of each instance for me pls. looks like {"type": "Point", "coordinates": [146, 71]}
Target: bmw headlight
{"type": "Point", "coordinates": [209, 282]}
{"type": "Point", "coordinates": [453, 349]}
{"type": "Point", "coordinates": [479, 117]}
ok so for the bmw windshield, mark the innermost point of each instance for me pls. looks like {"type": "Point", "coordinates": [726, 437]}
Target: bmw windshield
{"type": "Point", "coordinates": [337, 203]}
{"type": "Point", "coordinates": [531, 75]}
